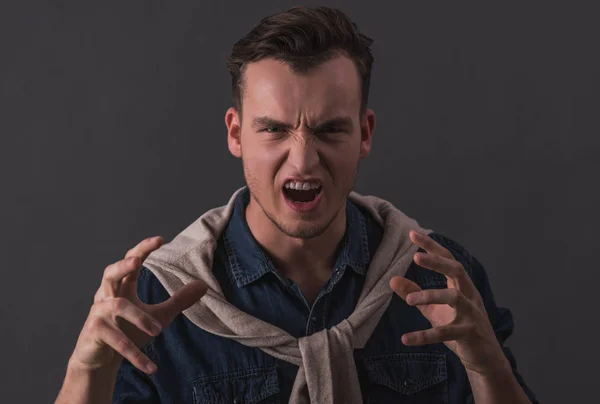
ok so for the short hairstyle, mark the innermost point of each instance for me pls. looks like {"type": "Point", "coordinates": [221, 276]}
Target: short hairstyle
{"type": "Point", "coordinates": [303, 37]}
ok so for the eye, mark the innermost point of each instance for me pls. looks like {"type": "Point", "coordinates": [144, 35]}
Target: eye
{"type": "Point", "coordinates": [330, 129]}
{"type": "Point", "coordinates": [272, 129]}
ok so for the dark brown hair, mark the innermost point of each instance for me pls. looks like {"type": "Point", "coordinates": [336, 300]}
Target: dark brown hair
{"type": "Point", "coordinates": [303, 37]}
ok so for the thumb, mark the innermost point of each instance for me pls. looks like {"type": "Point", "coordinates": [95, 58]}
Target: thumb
{"type": "Point", "coordinates": [402, 286]}
{"type": "Point", "coordinates": [181, 300]}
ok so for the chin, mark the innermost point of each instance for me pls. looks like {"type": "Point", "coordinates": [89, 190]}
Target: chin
{"type": "Point", "coordinates": [304, 232]}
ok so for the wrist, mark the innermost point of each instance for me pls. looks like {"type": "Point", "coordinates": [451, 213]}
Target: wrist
{"type": "Point", "coordinates": [496, 384]}
{"type": "Point", "coordinates": [491, 362]}
{"type": "Point", "coordinates": [493, 370]}
{"type": "Point", "coordinates": [84, 384]}
{"type": "Point", "coordinates": [84, 369]}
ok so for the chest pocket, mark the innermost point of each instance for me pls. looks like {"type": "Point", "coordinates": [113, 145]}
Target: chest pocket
{"type": "Point", "coordinates": [251, 386]}
{"type": "Point", "coordinates": [408, 378]}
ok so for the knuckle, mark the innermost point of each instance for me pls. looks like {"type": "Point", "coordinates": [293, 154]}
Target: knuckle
{"type": "Point", "coordinates": [133, 251]}
{"type": "Point", "coordinates": [108, 269]}
{"type": "Point", "coordinates": [126, 262]}
{"type": "Point", "coordinates": [99, 296]}
{"type": "Point", "coordinates": [94, 310]}
{"type": "Point", "coordinates": [455, 295]}
{"type": "Point", "coordinates": [124, 345]}
{"type": "Point", "coordinates": [144, 320]}
{"type": "Point", "coordinates": [136, 353]}
{"type": "Point", "coordinates": [95, 324]}
{"type": "Point", "coordinates": [118, 304]}
{"type": "Point", "coordinates": [419, 296]}
{"type": "Point", "coordinates": [443, 332]}
{"type": "Point", "coordinates": [458, 267]}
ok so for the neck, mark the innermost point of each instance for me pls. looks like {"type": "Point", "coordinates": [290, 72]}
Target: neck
{"type": "Point", "coordinates": [301, 260]}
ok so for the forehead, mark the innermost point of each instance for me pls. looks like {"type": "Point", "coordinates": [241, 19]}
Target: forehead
{"type": "Point", "coordinates": [272, 87]}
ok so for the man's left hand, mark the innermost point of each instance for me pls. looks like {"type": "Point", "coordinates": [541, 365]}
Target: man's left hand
{"type": "Point", "coordinates": [457, 313]}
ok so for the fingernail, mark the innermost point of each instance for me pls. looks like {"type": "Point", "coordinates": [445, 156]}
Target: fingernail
{"type": "Point", "coordinates": [150, 367]}
{"type": "Point", "coordinates": [156, 328]}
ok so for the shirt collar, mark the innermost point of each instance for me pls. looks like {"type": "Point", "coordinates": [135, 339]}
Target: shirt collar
{"type": "Point", "coordinates": [247, 261]}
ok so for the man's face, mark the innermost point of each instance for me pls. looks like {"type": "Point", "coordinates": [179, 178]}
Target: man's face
{"type": "Point", "coordinates": [303, 128]}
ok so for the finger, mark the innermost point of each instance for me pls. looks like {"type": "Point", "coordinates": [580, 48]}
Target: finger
{"type": "Point", "coordinates": [181, 300]}
{"type": "Point", "coordinates": [128, 286]}
{"type": "Point", "coordinates": [429, 244]}
{"type": "Point", "coordinates": [433, 335]}
{"type": "Point", "coordinates": [144, 248]}
{"type": "Point", "coordinates": [451, 297]}
{"type": "Point", "coordinates": [453, 270]}
{"type": "Point", "coordinates": [118, 341]}
{"type": "Point", "coordinates": [114, 274]}
{"type": "Point", "coordinates": [128, 311]}
{"type": "Point", "coordinates": [139, 253]}
{"type": "Point", "coordinates": [403, 286]}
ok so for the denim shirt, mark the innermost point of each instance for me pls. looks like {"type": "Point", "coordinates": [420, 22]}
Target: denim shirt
{"type": "Point", "coordinates": [197, 367]}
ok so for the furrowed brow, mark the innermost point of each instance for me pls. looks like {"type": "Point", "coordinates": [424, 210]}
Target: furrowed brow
{"type": "Point", "coordinates": [339, 121]}
{"type": "Point", "coordinates": [265, 121]}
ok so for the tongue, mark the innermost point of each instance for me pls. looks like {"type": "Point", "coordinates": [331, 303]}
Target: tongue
{"type": "Point", "coordinates": [300, 195]}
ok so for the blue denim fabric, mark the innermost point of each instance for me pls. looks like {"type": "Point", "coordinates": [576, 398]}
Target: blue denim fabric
{"type": "Point", "coordinates": [197, 367]}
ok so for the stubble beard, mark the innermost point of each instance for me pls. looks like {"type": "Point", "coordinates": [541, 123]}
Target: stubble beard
{"type": "Point", "coordinates": [306, 231]}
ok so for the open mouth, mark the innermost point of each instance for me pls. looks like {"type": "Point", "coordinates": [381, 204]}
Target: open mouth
{"type": "Point", "coordinates": [302, 192]}
{"type": "Point", "coordinates": [301, 195]}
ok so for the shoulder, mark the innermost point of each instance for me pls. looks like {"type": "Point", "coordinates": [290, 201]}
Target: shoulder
{"type": "Point", "coordinates": [151, 290]}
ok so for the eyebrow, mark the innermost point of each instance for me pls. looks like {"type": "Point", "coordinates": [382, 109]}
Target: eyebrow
{"type": "Point", "coordinates": [265, 121]}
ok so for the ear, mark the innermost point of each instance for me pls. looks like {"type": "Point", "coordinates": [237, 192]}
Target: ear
{"type": "Point", "coordinates": [367, 128]}
{"type": "Point", "coordinates": [234, 130]}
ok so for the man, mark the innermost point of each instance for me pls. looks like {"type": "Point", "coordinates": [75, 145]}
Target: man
{"type": "Point", "coordinates": [298, 289]}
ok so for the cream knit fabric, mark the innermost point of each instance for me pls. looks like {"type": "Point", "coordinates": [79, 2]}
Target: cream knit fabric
{"type": "Point", "coordinates": [327, 372]}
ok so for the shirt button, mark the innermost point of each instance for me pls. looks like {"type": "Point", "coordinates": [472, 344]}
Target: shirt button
{"type": "Point", "coordinates": [313, 320]}
{"type": "Point", "coordinates": [409, 383]}
{"type": "Point", "coordinates": [237, 400]}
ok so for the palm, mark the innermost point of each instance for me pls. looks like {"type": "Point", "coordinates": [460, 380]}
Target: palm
{"type": "Point", "coordinates": [439, 315]}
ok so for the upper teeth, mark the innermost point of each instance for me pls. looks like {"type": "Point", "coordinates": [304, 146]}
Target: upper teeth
{"type": "Point", "coordinates": [301, 186]}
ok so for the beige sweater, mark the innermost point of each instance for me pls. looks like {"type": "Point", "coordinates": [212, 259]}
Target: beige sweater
{"type": "Point", "coordinates": [327, 373]}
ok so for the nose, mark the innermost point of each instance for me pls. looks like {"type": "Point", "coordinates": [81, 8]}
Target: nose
{"type": "Point", "coordinates": [303, 155]}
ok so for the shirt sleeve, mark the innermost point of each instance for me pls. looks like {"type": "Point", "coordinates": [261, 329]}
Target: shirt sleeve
{"type": "Point", "coordinates": [133, 385]}
{"type": "Point", "coordinates": [500, 317]}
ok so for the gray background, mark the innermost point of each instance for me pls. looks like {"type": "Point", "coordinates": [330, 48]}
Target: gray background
{"type": "Point", "coordinates": [112, 131]}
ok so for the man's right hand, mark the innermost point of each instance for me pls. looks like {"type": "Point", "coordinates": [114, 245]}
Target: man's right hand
{"type": "Point", "coordinates": [119, 323]}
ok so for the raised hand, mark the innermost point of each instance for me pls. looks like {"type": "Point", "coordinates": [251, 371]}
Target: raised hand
{"type": "Point", "coordinates": [119, 323]}
{"type": "Point", "coordinates": [457, 313]}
